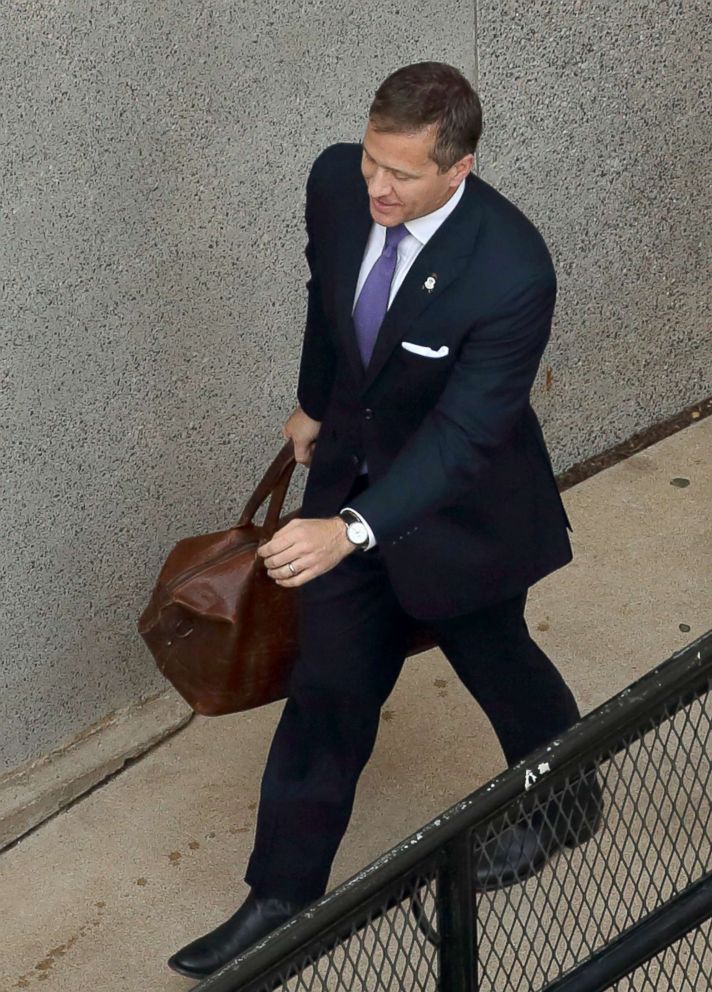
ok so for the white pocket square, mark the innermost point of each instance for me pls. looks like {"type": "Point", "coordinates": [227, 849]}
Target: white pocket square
{"type": "Point", "coordinates": [421, 349]}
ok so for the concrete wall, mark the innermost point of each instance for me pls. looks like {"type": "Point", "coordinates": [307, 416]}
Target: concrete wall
{"type": "Point", "coordinates": [153, 162]}
{"type": "Point", "coordinates": [597, 116]}
{"type": "Point", "coordinates": [152, 299]}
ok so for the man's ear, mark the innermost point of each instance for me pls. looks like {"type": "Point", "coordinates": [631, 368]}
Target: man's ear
{"type": "Point", "coordinates": [462, 169]}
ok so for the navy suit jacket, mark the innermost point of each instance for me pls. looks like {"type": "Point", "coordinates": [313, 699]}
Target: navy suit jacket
{"type": "Point", "coordinates": [462, 500]}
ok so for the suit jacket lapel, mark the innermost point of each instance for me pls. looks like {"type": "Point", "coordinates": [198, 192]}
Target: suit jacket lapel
{"type": "Point", "coordinates": [443, 257]}
{"type": "Point", "coordinates": [351, 245]}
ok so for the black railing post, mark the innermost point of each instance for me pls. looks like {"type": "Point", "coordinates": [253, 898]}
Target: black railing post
{"type": "Point", "coordinates": [457, 918]}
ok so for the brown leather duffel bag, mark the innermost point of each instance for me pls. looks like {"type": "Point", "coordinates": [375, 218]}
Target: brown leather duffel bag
{"type": "Point", "coordinates": [219, 628]}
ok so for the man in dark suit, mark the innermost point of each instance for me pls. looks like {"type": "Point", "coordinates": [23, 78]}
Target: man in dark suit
{"type": "Point", "coordinates": [430, 493]}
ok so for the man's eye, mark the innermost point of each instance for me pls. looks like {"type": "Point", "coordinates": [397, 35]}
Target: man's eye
{"type": "Point", "coordinates": [401, 179]}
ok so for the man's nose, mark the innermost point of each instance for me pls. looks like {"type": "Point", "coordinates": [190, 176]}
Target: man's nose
{"type": "Point", "coordinates": [380, 185]}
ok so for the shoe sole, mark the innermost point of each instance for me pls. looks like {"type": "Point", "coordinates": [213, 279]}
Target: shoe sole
{"type": "Point", "coordinates": [533, 868]}
{"type": "Point", "coordinates": [185, 972]}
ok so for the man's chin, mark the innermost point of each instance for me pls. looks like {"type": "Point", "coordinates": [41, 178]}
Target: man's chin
{"type": "Point", "coordinates": [387, 218]}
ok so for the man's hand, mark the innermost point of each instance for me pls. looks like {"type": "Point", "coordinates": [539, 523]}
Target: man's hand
{"type": "Point", "coordinates": [312, 547]}
{"type": "Point", "coordinates": [303, 432]}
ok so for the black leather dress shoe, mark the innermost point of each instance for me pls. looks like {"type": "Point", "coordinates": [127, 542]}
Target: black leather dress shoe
{"type": "Point", "coordinates": [253, 921]}
{"type": "Point", "coordinates": [522, 850]}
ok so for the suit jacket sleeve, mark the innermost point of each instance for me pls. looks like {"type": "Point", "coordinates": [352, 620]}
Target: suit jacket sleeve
{"type": "Point", "coordinates": [485, 395]}
{"type": "Point", "coordinates": [318, 360]}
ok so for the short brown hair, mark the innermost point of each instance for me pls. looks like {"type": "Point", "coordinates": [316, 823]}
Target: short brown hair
{"type": "Point", "coordinates": [426, 93]}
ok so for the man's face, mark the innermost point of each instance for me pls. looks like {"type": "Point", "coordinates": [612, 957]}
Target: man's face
{"type": "Point", "coordinates": [403, 181]}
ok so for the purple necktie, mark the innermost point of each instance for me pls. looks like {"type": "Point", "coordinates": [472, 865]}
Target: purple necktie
{"type": "Point", "coordinates": [372, 302]}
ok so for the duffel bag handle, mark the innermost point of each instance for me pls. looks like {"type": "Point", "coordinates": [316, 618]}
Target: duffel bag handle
{"type": "Point", "coordinates": [274, 483]}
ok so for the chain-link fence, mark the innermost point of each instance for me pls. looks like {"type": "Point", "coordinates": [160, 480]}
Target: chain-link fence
{"type": "Point", "coordinates": [616, 892]}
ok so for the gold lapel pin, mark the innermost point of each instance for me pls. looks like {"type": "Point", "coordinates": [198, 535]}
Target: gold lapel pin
{"type": "Point", "coordinates": [429, 283]}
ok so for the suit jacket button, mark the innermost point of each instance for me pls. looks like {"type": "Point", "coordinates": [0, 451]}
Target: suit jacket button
{"type": "Point", "coordinates": [368, 413]}
{"type": "Point", "coordinates": [355, 460]}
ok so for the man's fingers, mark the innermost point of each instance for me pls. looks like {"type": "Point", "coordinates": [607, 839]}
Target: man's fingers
{"type": "Point", "coordinates": [283, 539]}
{"type": "Point", "coordinates": [300, 562]}
{"type": "Point", "coordinates": [307, 545]}
{"type": "Point", "coordinates": [284, 557]}
{"type": "Point", "coordinates": [297, 580]}
{"type": "Point", "coordinates": [277, 546]}
{"type": "Point", "coordinates": [302, 453]}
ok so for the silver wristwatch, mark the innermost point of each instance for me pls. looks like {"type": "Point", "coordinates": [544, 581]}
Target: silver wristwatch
{"type": "Point", "coordinates": [355, 529]}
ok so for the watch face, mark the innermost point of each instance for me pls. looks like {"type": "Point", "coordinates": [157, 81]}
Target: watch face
{"type": "Point", "coordinates": [357, 533]}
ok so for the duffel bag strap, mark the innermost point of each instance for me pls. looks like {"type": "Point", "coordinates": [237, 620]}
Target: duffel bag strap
{"type": "Point", "coordinates": [274, 484]}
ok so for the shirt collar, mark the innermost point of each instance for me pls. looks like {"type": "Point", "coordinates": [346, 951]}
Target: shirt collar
{"type": "Point", "coordinates": [423, 228]}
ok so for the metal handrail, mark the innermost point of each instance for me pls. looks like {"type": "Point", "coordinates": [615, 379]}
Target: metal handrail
{"type": "Point", "coordinates": [439, 846]}
{"type": "Point", "coordinates": [644, 940]}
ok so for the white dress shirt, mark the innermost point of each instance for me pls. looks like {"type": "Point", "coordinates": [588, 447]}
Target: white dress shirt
{"type": "Point", "coordinates": [420, 231]}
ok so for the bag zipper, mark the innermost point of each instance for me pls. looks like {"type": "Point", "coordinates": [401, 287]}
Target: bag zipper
{"type": "Point", "coordinates": [197, 569]}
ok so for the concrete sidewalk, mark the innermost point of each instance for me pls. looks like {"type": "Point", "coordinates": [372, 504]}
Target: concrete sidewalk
{"type": "Point", "coordinates": [98, 897]}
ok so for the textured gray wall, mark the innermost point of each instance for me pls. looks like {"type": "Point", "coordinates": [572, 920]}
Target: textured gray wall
{"type": "Point", "coordinates": [597, 120]}
{"type": "Point", "coordinates": [151, 270]}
